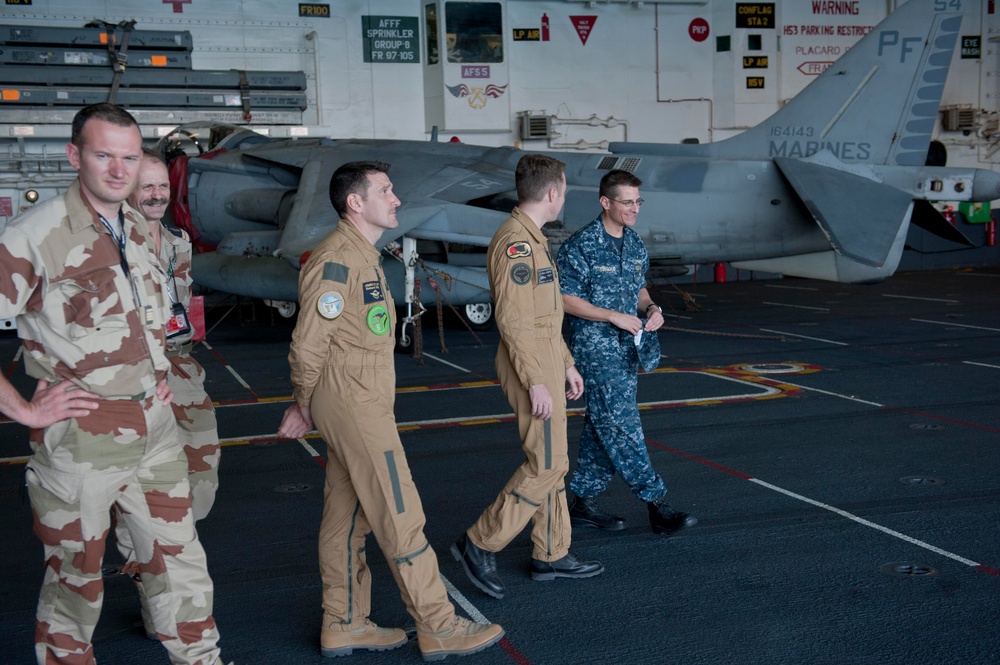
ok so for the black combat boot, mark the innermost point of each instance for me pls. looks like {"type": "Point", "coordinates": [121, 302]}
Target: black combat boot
{"type": "Point", "coordinates": [666, 520]}
{"type": "Point", "coordinates": [584, 513]}
{"type": "Point", "coordinates": [480, 565]}
{"type": "Point", "coordinates": [569, 567]}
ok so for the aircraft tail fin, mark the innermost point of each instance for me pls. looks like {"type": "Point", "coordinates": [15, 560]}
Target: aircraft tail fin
{"type": "Point", "coordinates": [877, 104]}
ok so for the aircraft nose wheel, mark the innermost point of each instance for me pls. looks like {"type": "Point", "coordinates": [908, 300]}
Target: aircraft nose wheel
{"type": "Point", "coordinates": [479, 315]}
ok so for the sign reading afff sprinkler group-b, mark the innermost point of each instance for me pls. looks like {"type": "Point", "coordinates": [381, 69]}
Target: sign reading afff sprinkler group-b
{"type": "Point", "coordinates": [390, 39]}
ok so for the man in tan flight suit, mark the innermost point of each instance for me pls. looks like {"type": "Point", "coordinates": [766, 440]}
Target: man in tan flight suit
{"type": "Point", "coordinates": [534, 365]}
{"type": "Point", "coordinates": [345, 381]}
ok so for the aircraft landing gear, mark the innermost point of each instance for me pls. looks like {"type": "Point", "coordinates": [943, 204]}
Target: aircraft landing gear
{"type": "Point", "coordinates": [478, 316]}
{"type": "Point", "coordinates": [285, 309]}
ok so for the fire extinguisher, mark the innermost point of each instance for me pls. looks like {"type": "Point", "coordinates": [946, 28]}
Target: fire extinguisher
{"type": "Point", "coordinates": [545, 27]}
{"type": "Point", "coordinates": [991, 233]}
{"type": "Point", "coordinates": [949, 214]}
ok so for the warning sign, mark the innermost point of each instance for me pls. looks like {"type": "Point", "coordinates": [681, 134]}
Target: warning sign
{"type": "Point", "coordinates": [6, 206]}
{"type": "Point", "coordinates": [584, 25]}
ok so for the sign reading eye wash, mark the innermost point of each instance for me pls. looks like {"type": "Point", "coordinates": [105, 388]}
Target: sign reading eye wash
{"type": "Point", "coordinates": [390, 39]}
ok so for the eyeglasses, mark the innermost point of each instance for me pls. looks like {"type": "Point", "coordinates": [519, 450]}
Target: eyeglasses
{"type": "Point", "coordinates": [628, 204]}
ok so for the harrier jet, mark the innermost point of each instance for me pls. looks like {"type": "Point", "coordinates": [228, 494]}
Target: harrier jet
{"type": "Point", "coordinates": [825, 188]}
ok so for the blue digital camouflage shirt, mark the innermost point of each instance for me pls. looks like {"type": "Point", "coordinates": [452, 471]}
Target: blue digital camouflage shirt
{"type": "Point", "coordinates": [590, 267]}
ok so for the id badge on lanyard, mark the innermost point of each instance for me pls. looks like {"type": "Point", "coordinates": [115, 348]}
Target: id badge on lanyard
{"type": "Point", "coordinates": [119, 238]}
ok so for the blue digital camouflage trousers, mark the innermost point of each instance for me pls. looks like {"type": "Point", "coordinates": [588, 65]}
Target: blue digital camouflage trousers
{"type": "Point", "coordinates": [612, 438]}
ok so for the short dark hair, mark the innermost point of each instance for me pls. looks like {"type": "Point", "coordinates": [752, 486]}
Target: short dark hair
{"type": "Point", "coordinates": [105, 111]}
{"type": "Point", "coordinates": [352, 178]}
{"type": "Point", "coordinates": [535, 174]}
{"type": "Point", "coordinates": [612, 180]}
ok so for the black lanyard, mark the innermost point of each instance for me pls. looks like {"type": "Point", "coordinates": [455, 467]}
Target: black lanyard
{"type": "Point", "coordinates": [119, 238]}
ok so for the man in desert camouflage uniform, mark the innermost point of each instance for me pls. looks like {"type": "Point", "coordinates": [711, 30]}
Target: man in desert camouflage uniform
{"type": "Point", "coordinates": [191, 405]}
{"type": "Point", "coordinates": [78, 276]}
{"type": "Point", "coordinates": [341, 359]}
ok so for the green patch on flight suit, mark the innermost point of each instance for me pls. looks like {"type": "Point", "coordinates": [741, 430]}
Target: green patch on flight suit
{"type": "Point", "coordinates": [330, 305]}
{"type": "Point", "coordinates": [520, 274]}
{"type": "Point", "coordinates": [378, 320]}
{"type": "Point", "coordinates": [335, 272]}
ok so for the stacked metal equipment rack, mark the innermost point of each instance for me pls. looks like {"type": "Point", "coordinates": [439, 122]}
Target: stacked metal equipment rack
{"type": "Point", "coordinates": [48, 73]}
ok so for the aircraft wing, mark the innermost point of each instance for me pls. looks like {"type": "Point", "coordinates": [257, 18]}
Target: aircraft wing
{"type": "Point", "coordinates": [843, 203]}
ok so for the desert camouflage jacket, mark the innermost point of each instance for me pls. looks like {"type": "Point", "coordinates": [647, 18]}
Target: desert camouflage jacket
{"type": "Point", "coordinates": [80, 315]}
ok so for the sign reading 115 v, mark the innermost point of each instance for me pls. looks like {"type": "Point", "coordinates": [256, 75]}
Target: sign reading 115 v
{"type": "Point", "coordinates": [390, 39]}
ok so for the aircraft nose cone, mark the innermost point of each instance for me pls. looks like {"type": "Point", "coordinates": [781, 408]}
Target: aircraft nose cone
{"type": "Point", "coordinates": [986, 185]}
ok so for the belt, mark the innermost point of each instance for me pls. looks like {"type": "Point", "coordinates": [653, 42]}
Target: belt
{"type": "Point", "coordinates": [131, 398]}
{"type": "Point", "coordinates": [182, 350]}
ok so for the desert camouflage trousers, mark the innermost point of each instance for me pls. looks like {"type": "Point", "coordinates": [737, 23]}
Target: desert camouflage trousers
{"type": "Point", "coordinates": [612, 438]}
{"type": "Point", "coordinates": [199, 431]}
{"type": "Point", "coordinates": [199, 434]}
{"type": "Point", "coordinates": [124, 455]}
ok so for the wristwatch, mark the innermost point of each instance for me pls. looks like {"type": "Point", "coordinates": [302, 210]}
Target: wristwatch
{"type": "Point", "coordinates": [651, 305]}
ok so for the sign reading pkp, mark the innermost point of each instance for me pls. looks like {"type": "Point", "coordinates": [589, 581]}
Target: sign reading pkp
{"type": "Point", "coordinates": [698, 30]}
{"type": "Point", "coordinates": [390, 39]}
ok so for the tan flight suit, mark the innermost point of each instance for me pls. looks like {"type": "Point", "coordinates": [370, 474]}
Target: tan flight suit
{"type": "Point", "coordinates": [342, 369]}
{"type": "Point", "coordinates": [529, 313]}
{"type": "Point", "coordinates": [84, 317]}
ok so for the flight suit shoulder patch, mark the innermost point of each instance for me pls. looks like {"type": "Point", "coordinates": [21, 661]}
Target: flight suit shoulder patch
{"type": "Point", "coordinates": [373, 292]}
{"type": "Point", "coordinates": [330, 305]}
{"type": "Point", "coordinates": [378, 320]}
{"type": "Point", "coordinates": [545, 275]}
{"type": "Point", "coordinates": [520, 273]}
{"type": "Point", "coordinates": [518, 250]}
{"type": "Point", "coordinates": [335, 272]}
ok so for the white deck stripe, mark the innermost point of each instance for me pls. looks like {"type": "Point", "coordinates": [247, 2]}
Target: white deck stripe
{"type": "Point", "coordinates": [827, 392]}
{"type": "Point", "coordinates": [890, 295]}
{"type": "Point", "coordinates": [864, 522]}
{"type": "Point", "coordinates": [445, 362]}
{"type": "Point", "coordinates": [463, 602]}
{"type": "Point", "coordinates": [781, 304]}
{"type": "Point", "coordinates": [957, 325]}
{"type": "Point", "coordinates": [815, 339]}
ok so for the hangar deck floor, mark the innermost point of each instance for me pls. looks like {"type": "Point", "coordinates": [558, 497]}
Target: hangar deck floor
{"type": "Point", "coordinates": [839, 445]}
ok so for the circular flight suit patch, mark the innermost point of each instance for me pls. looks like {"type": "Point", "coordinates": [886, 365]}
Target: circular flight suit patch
{"type": "Point", "coordinates": [378, 320]}
{"type": "Point", "coordinates": [520, 273]}
{"type": "Point", "coordinates": [330, 305]}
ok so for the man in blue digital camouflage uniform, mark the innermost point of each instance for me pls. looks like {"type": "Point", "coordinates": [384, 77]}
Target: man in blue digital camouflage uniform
{"type": "Point", "coordinates": [602, 271]}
